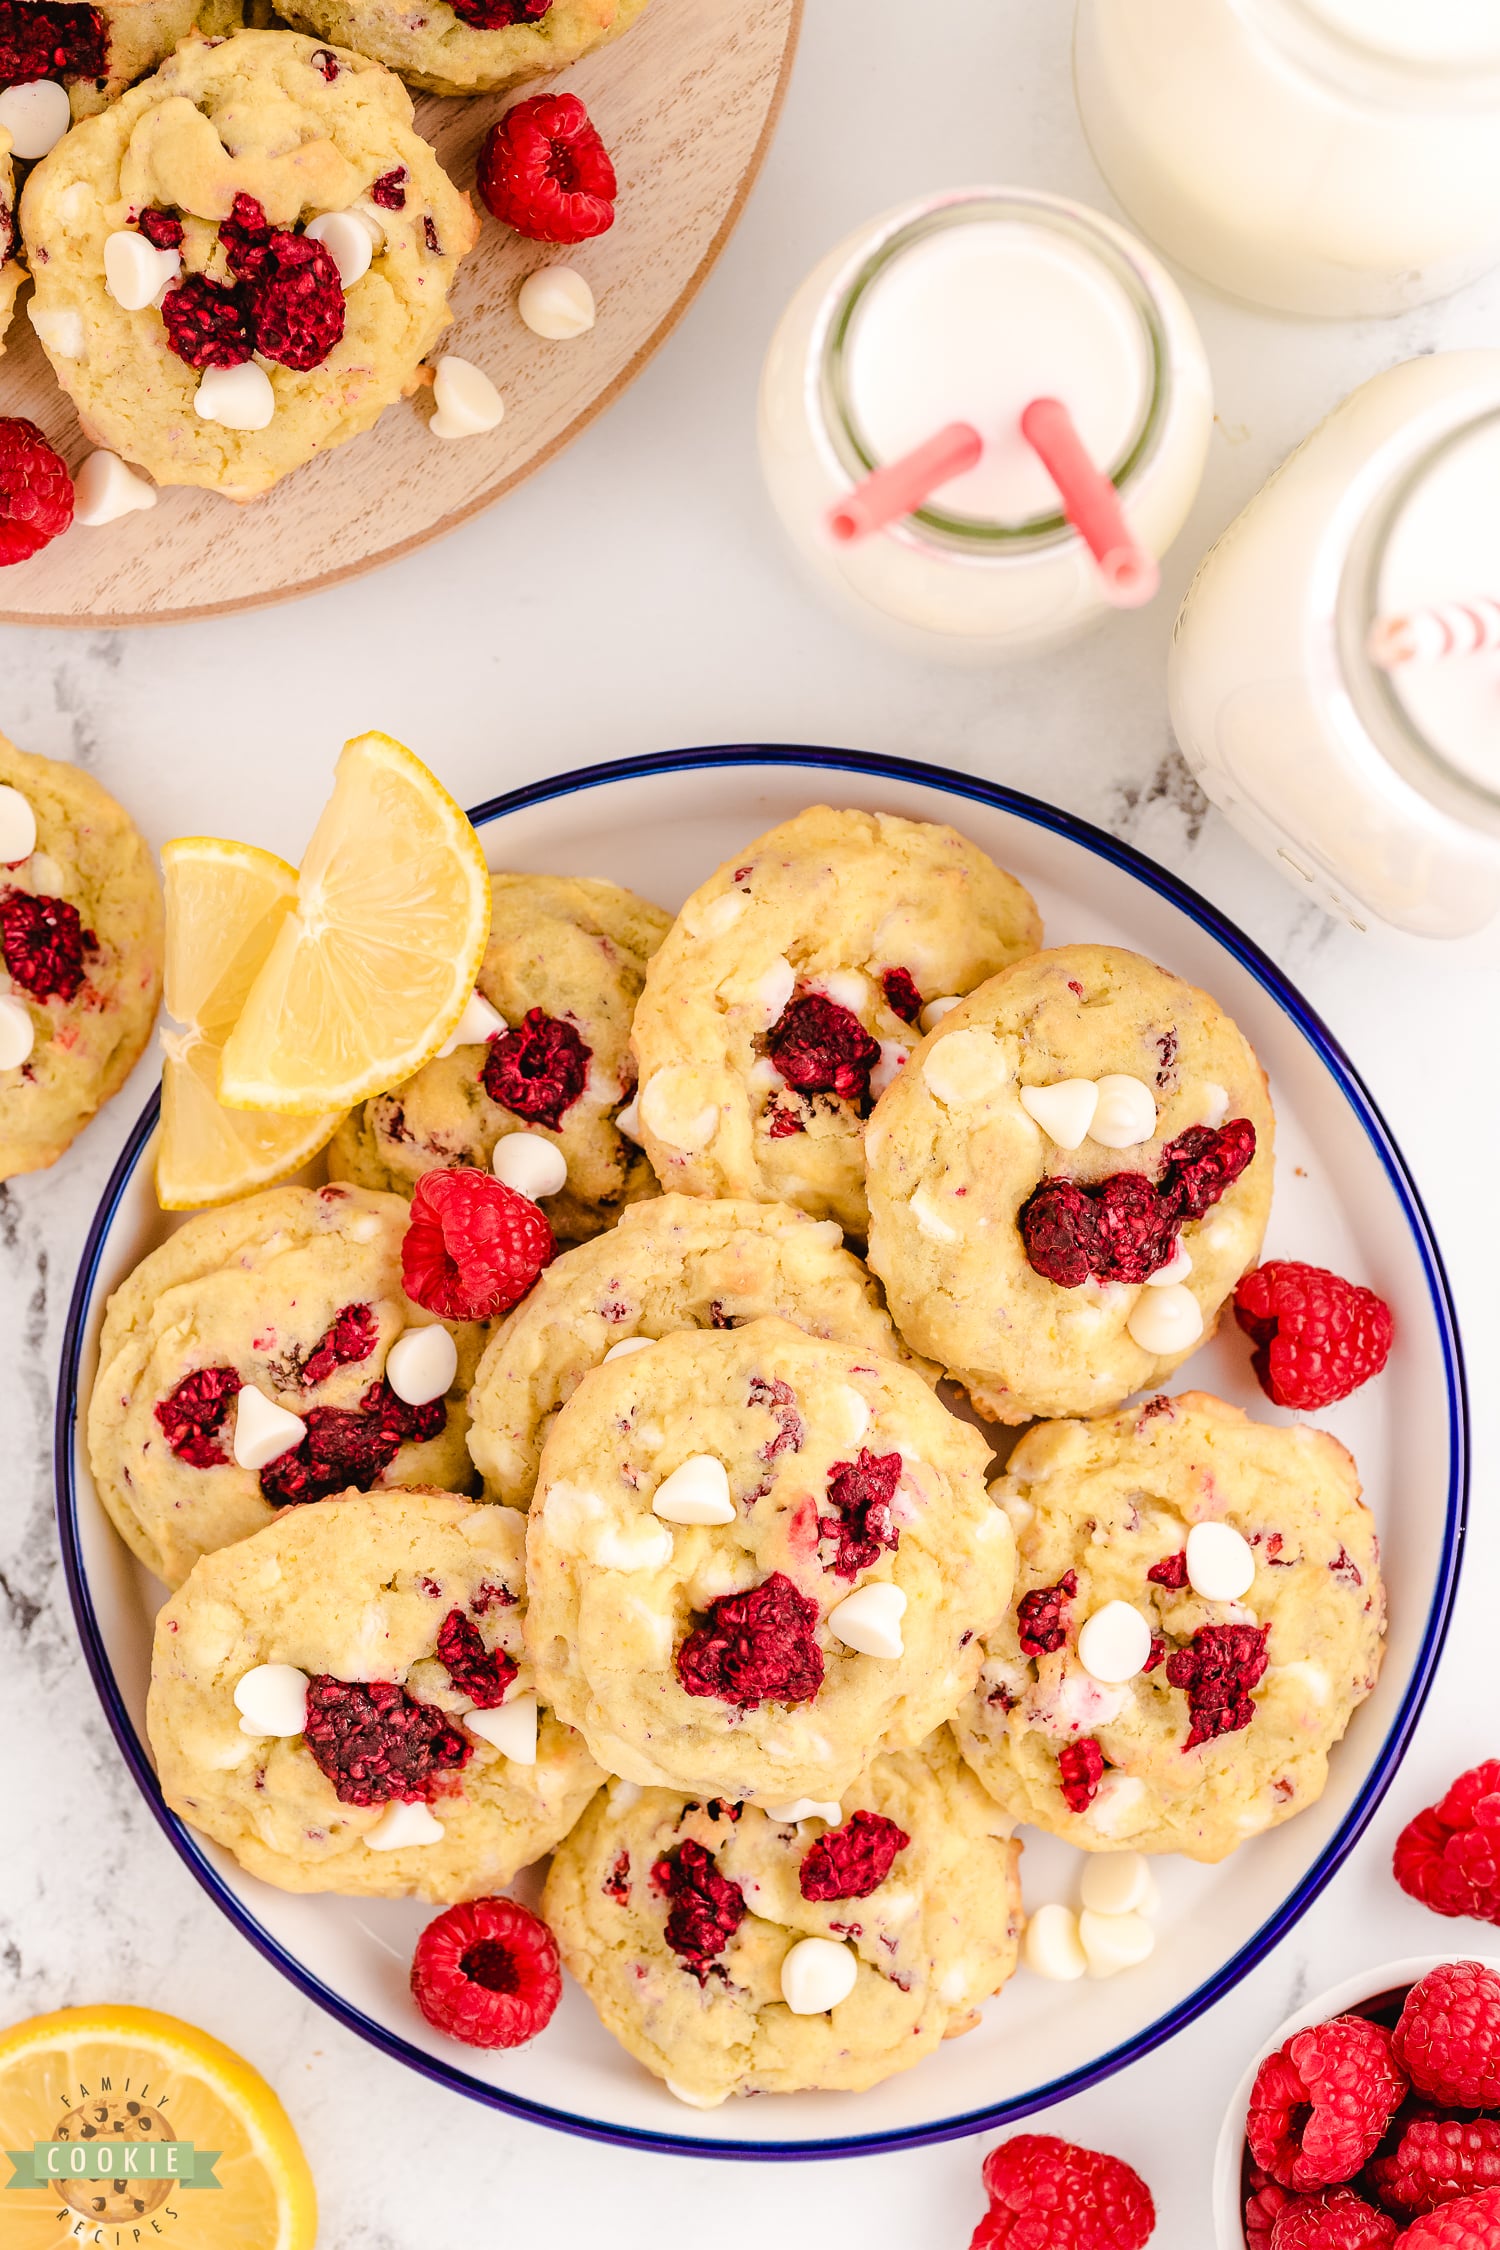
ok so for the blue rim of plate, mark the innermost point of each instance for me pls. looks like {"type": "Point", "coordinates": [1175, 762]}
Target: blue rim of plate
{"type": "Point", "coordinates": [1213, 1989]}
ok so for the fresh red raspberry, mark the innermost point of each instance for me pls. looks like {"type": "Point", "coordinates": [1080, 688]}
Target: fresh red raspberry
{"type": "Point", "coordinates": [296, 302]}
{"type": "Point", "coordinates": [1170, 1572]}
{"type": "Point", "coordinates": [36, 491]}
{"type": "Point", "coordinates": [389, 191]}
{"type": "Point", "coordinates": [1202, 1164]}
{"type": "Point", "coordinates": [538, 1070]}
{"type": "Point", "coordinates": [208, 325]}
{"type": "Point", "coordinates": [753, 1648]}
{"type": "Point", "coordinates": [1471, 2223]}
{"type": "Point", "coordinates": [1047, 2194]}
{"type": "Point", "coordinates": [1340, 2220]}
{"type": "Point", "coordinates": [377, 1744]}
{"type": "Point", "coordinates": [1040, 1624]}
{"type": "Point", "coordinates": [820, 1047]}
{"type": "Point", "coordinates": [1436, 2159]}
{"type": "Point", "coordinates": [1216, 1672]}
{"type": "Point", "coordinates": [1059, 1224]}
{"type": "Point", "coordinates": [51, 39]}
{"type": "Point", "coordinates": [1317, 1336]}
{"type": "Point", "coordinates": [473, 1246]}
{"type": "Point", "coordinates": [1080, 1769]}
{"type": "Point", "coordinates": [1320, 2105]}
{"type": "Point", "coordinates": [499, 15]}
{"type": "Point", "coordinates": [1448, 1858]}
{"type": "Point", "coordinates": [851, 1861]}
{"type": "Point", "coordinates": [482, 1674]}
{"type": "Point", "coordinates": [193, 1415]}
{"type": "Point", "coordinates": [43, 940]}
{"type": "Point", "coordinates": [487, 1972]}
{"type": "Point", "coordinates": [351, 1336]}
{"type": "Point", "coordinates": [901, 994]}
{"type": "Point", "coordinates": [705, 1908]}
{"type": "Point", "coordinates": [860, 1493]}
{"type": "Point", "coordinates": [1265, 2199]}
{"type": "Point", "coordinates": [162, 229]}
{"type": "Point", "coordinates": [1448, 2038]}
{"type": "Point", "coordinates": [349, 1446]}
{"type": "Point", "coordinates": [544, 171]}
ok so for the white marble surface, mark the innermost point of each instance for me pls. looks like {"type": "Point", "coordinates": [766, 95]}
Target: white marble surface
{"type": "Point", "coordinates": [633, 596]}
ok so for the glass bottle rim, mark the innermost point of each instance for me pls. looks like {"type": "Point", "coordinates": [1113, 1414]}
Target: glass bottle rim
{"type": "Point", "coordinates": [1346, 64]}
{"type": "Point", "coordinates": [857, 458]}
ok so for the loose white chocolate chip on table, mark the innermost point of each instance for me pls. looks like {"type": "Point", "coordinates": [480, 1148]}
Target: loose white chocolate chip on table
{"type": "Point", "coordinates": [135, 271]}
{"type": "Point", "coordinates": [421, 1364]}
{"type": "Point", "coordinates": [478, 1023]}
{"type": "Point", "coordinates": [1165, 1321]}
{"type": "Point", "coordinates": [1126, 1112]}
{"type": "Point", "coordinates": [468, 403]}
{"type": "Point", "coordinates": [1115, 1643]}
{"type": "Point", "coordinates": [1220, 1562]}
{"type": "Point", "coordinates": [17, 826]}
{"type": "Point", "coordinates": [60, 329]}
{"type": "Point", "coordinates": [36, 116]}
{"type": "Point", "coordinates": [1052, 1948]}
{"type": "Point", "coordinates": [556, 302]}
{"type": "Point", "coordinates": [628, 1121]}
{"type": "Point", "coordinates": [263, 1431]}
{"type": "Point", "coordinates": [806, 1808]}
{"type": "Point", "coordinates": [1064, 1111]}
{"type": "Point", "coordinates": [670, 1108]}
{"type": "Point", "coordinates": [935, 1010]}
{"type": "Point", "coordinates": [696, 1492]}
{"type": "Point", "coordinates": [272, 1699]}
{"type": "Point", "coordinates": [237, 398]}
{"type": "Point", "coordinates": [104, 490]}
{"type": "Point", "coordinates": [888, 1069]}
{"type": "Point", "coordinates": [967, 1066]}
{"type": "Point", "coordinates": [627, 1345]}
{"type": "Point", "coordinates": [816, 1975]}
{"type": "Point", "coordinates": [17, 1032]}
{"type": "Point", "coordinates": [1118, 1883]}
{"type": "Point", "coordinates": [510, 1728]}
{"type": "Point", "coordinates": [347, 240]}
{"type": "Point", "coordinates": [1177, 1268]}
{"type": "Point", "coordinates": [1112, 1942]}
{"type": "Point", "coordinates": [402, 1825]}
{"type": "Point", "coordinates": [531, 1164]}
{"type": "Point", "coordinates": [869, 1620]}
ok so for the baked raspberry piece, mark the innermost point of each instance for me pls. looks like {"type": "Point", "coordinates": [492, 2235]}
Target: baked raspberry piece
{"type": "Point", "coordinates": [1216, 1672]}
{"type": "Point", "coordinates": [350, 1336]}
{"type": "Point", "coordinates": [544, 171]}
{"type": "Point", "coordinates": [1340, 2220]}
{"type": "Point", "coordinates": [860, 1493]}
{"type": "Point", "coordinates": [296, 302]}
{"type": "Point", "coordinates": [1470, 2223]}
{"type": "Point", "coordinates": [1317, 1336]}
{"type": "Point", "coordinates": [538, 1070]}
{"type": "Point", "coordinates": [499, 15]}
{"type": "Point", "coordinates": [780, 1402]}
{"type": "Point", "coordinates": [192, 1415]}
{"type": "Point", "coordinates": [1039, 1616]}
{"type": "Point", "coordinates": [473, 1246]}
{"type": "Point", "coordinates": [349, 1446]}
{"type": "Point", "coordinates": [1170, 1572]}
{"type": "Point", "coordinates": [162, 229]}
{"type": "Point", "coordinates": [1202, 1164]}
{"type": "Point", "coordinates": [1448, 1858]}
{"type": "Point", "coordinates": [901, 994]}
{"type": "Point", "coordinates": [377, 1744]}
{"type": "Point", "coordinates": [1320, 2105]}
{"type": "Point", "coordinates": [389, 191]}
{"type": "Point", "coordinates": [50, 39]}
{"type": "Point", "coordinates": [852, 1861]}
{"type": "Point", "coordinates": [705, 1908]}
{"type": "Point", "coordinates": [246, 238]}
{"type": "Point", "coordinates": [36, 491]}
{"type": "Point", "coordinates": [43, 941]}
{"type": "Point", "coordinates": [1136, 1232]}
{"type": "Point", "coordinates": [1080, 1769]}
{"type": "Point", "coordinates": [1047, 2194]}
{"type": "Point", "coordinates": [782, 1122]}
{"type": "Point", "coordinates": [617, 1882]}
{"type": "Point", "coordinates": [208, 324]}
{"type": "Point", "coordinates": [1448, 2037]}
{"type": "Point", "coordinates": [487, 1972]}
{"type": "Point", "coordinates": [820, 1047]}
{"type": "Point", "coordinates": [1059, 1225]}
{"type": "Point", "coordinates": [1436, 2159]}
{"type": "Point", "coordinates": [483, 1674]}
{"type": "Point", "coordinates": [756, 1647]}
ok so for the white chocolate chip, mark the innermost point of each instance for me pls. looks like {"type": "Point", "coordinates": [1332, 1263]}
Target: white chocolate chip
{"type": "Point", "coordinates": [1117, 1804]}
{"type": "Point", "coordinates": [36, 116]}
{"type": "Point", "coordinates": [847, 988]}
{"type": "Point", "coordinates": [967, 1067]}
{"type": "Point", "coordinates": [806, 1808]}
{"type": "Point", "coordinates": [893, 1056]}
{"type": "Point", "coordinates": [773, 989]}
{"type": "Point", "coordinates": [237, 398]}
{"type": "Point", "coordinates": [60, 329]}
{"type": "Point", "coordinates": [1165, 1322]}
{"type": "Point", "coordinates": [556, 302]}
{"type": "Point", "coordinates": [1114, 1644]}
{"type": "Point", "coordinates": [1052, 1946]}
{"type": "Point", "coordinates": [1126, 1112]}
{"type": "Point", "coordinates": [1065, 1111]}
{"type": "Point", "coordinates": [1112, 1942]}
{"type": "Point", "coordinates": [696, 1492]}
{"type": "Point", "coordinates": [854, 1415]}
{"type": "Point", "coordinates": [1119, 1883]}
{"type": "Point", "coordinates": [1177, 1268]}
{"type": "Point", "coordinates": [1215, 1102]}
{"type": "Point", "coordinates": [510, 1728]}
{"type": "Point", "coordinates": [347, 241]}
{"type": "Point", "coordinates": [628, 1121]}
{"type": "Point", "coordinates": [636, 1546]}
{"type": "Point", "coordinates": [372, 220]}
{"type": "Point", "coordinates": [468, 403]}
{"type": "Point", "coordinates": [531, 1164]}
{"type": "Point", "coordinates": [421, 1364]}
{"type": "Point", "coordinates": [1220, 1562]}
{"type": "Point", "coordinates": [935, 1010]}
{"type": "Point", "coordinates": [272, 1699]}
{"type": "Point", "coordinates": [720, 914]}
{"type": "Point", "coordinates": [691, 2100]}
{"type": "Point", "coordinates": [478, 1024]}
{"type": "Point", "coordinates": [17, 826]}
{"type": "Point", "coordinates": [104, 490]}
{"type": "Point", "coordinates": [930, 1220]}
{"type": "Point", "coordinates": [400, 1826]}
{"type": "Point", "coordinates": [816, 1975]}
{"type": "Point", "coordinates": [670, 1108]}
{"type": "Point", "coordinates": [17, 1032]}
{"type": "Point", "coordinates": [869, 1620]}
{"type": "Point", "coordinates": [1312, 1677]}
{"type": "Point", "coordinates": [627, 1345]}
{"type": "Point", "coordinates": [135, 271]}
{"type": "Point", "coordinates": [263, 1431]}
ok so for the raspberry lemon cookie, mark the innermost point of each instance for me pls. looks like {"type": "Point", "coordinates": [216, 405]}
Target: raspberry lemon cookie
{"type": "Point", "coordinates": [244, 261]}
{"type": "Point", "coordinates": [548, 1057]}
{"type": "Point", "coordinates": [790, 990]}
{"type": "Point", "coordinates": [733, 1952]}
{"type": "Point", "coordinates": [681, 1261]}
{"type": "Point", "coordinates": [468, 46]}
{"type": "Point", "coordinates": [81, 948]}
{"type": "Point", "coordinates": [264, 1357]}
{"type": "Point", "coordinates": [756, 1558]}
{"type": "Point", "coordinates": [1068, 1180]}
{"type": "Point", "coordinates": [1198, 1613]}
{"type": "Point", "coordinates": [343, 1702]}
{"type": "Point", "coordinates": [93, 53]}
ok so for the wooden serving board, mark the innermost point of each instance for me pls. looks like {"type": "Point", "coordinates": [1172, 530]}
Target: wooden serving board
{"type": "Point", "coordinates": [686, 103]}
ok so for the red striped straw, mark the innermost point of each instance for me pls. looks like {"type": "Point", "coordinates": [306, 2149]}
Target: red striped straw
{"type": "Point", "coordinates": [903, 486]}
{"type": "Point", "coordinates": [1091, 504]}
{"type": "Point", "coordinates": [1427, 636]}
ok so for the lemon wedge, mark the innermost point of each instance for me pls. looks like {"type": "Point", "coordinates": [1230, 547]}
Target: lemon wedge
{"type": "Point", "coordinates": [172, 2098]}
{"type": "Point", "coordinates": [374, 965]}
{"type": "Point", "coordinates": [225, 904]}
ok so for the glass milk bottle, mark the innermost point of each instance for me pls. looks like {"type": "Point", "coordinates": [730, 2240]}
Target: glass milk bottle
{"type": "Point", "coordinates": [1327, 157]}
{"type": "Point", "coordinates": [1374, 784]}
{"type": "Point", "coordinates": [965, 309]}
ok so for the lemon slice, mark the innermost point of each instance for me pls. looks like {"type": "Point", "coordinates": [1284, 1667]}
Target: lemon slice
{"type": "Point", "coordinates": [375, 964]}
{"type": "Point", "coordinates": [225, 904]}
{"type": "Point", "coordinates": [135, 2079]}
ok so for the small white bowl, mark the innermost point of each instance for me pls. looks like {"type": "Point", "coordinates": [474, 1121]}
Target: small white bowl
{"type": "Point", "coordinates": [1229, 2208]}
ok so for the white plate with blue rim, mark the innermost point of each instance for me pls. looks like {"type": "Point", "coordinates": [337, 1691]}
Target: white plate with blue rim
{"type": "Point", "coordinates": [1344, 1198]}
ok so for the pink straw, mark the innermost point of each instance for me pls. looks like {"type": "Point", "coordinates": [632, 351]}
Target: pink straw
{"type": "Point", "coordinates": [1427, 636]}
{"type": "Point", "coordinates": [1091, 504]}
{"type": "Point", "coordinates": [903, 486]}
